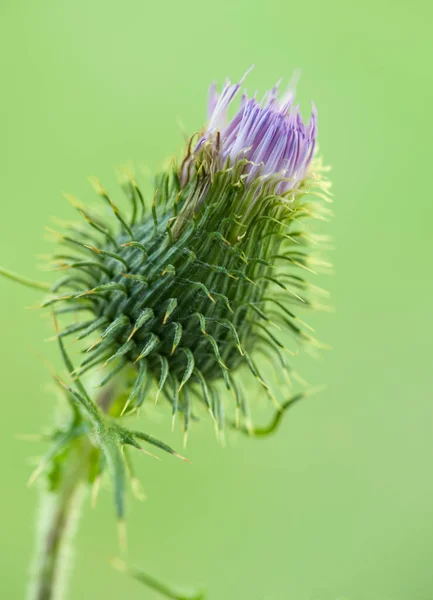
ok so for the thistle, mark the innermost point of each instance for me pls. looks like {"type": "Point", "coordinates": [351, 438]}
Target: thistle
{"type": "Point", "coordinates": [176, 297]}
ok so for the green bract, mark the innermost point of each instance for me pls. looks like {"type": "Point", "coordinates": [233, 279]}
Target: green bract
{"type": "Point", "coordinates": [189, 289]}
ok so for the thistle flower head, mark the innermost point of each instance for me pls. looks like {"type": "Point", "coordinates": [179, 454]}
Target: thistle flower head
{"type": "Point", "coordinates": [183, 294]}
{"type": "Point", "coordinates": [186, 289]}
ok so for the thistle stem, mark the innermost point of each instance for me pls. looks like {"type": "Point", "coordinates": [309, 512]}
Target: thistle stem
{"type": "Point", "coordinates": [59, 515]}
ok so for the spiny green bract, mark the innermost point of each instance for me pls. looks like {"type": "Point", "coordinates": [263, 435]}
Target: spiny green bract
{"type": "Point", "coordinates": [192, 287]}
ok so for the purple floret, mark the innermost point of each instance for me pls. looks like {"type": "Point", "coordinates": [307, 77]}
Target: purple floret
{"type": "Point", "coordinates": [270, 134]}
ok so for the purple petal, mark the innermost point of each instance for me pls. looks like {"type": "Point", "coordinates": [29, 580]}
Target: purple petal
{"type": "Point", "coordinates": [271, 133]}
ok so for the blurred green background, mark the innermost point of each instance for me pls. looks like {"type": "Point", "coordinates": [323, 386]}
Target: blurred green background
{"type": "Point", "coordinates": [339, 504]}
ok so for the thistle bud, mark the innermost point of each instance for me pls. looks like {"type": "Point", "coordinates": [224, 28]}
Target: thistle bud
{"type": "Point", "coordinates": [186, 289]}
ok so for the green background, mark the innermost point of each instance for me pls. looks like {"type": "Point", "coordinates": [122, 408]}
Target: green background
{"type": "Point", "coordinates": [339, 504]}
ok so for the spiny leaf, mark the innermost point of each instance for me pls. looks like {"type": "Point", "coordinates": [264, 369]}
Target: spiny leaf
{"type": "Point", "coordinates": [253, 368]}
{"type": "Point", "coordinates": [190, 363]}
{"type": "Point", "coordinates": [98, 226]}
{"type": "Point", "coordinates": [144, 392]}
{"type": "Point", "coordinates": [243, 405]}
{"type": "Point", "coordinates": [162, 445]}
{"type": "Point", "coordinates": [229, 325]}
{"type": "Point", "coordinates": [163, 376]}
{"type": "Point", "coordinates": [272, 280]}
{"type": "Point", "coordinates": [263, 316]}
{"type": "Point", "coordinates": [137, 277]}
{"type": "Point", "coordinates": [93, 327]}
{"type": "Point", "coordinates": [124, 349]}
{"type": "Point", "coordinates": [210, 338]}
{"type": "Point", "coordinates": [116, 326]}
{"type": "Point", "coordinates": [138, 245]}
{"type": "Point", "coordinates": [129, 190]}
{"type": "Point", "coordinates": [113, 455]}
{"type": "Point", "coordinates": [146, 315]}
{"type": "Point", "coordinates": [154, 214]}
{"type": "Point", "coordinates": [84, 402]}
{"type": "Point", "coordinates": [272, 337]}
{"type": "Point", "coordinates": [102, 348]}
{"type": "Point", "coordinates": [177, 336]}
{"type": "Point", "coordinates": [202, 287]}
{"type": "Point", "coordinates": [258, 311]}
{"type": "Point", "coordinates": [75, 328]}
{"type": "Point", "coordinates": [235, 273]}
{"type": "Point", "coordinates": [169, 270]}
{"type": "Point", "coordinates": [54, 299]}
{"type": "Point", "coordinates": [284, 308]}
{"type": "Point", "coordinates": [90, 406]}
{"type": "Point", "coordinates": [140, 197]}
{"type": "Point", "coordinates": [219, 413]}
{"type": "Point", "coordinates": [90, 264]}
{"type": "Point", "coordinates": [206, 393]}
{"type": "Point", "coordinates": [202, 321]}
{"type": "Point", "coordinates": [112, 255]}
{"type": "Point", "coordinates": [224, 299]}
{"type": "Point", "coordinates": [289, 323]}
{"type": "Point", "coordinates": [268, 349]}
{"type": "Point", "coordinates": [101, 191]}
{"type": "Point", "coordinates": [186, 414]}
{"type": "Point", "coordinates": [113, 372]}
{"type": "Point", "coordinates": [171, 306]}
{"type": "Point", "coordinates": [138, 385]}
{"type": "Point", "coordinates": [175, 399]}
{"type": "Point", "coordinates": [75, 308]}
{"type": "Point", "coordinates": [151, 344]}
{"type": "Point", "coordinates": [127, 439]}
{"type": "Point", "coordinates": [105, 287]}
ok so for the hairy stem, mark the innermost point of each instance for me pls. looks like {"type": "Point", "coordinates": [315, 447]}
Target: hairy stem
{"type": "Point", "coordinates": [58, 522]}
{"type": "Point", "coordinates": [60, 510]}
